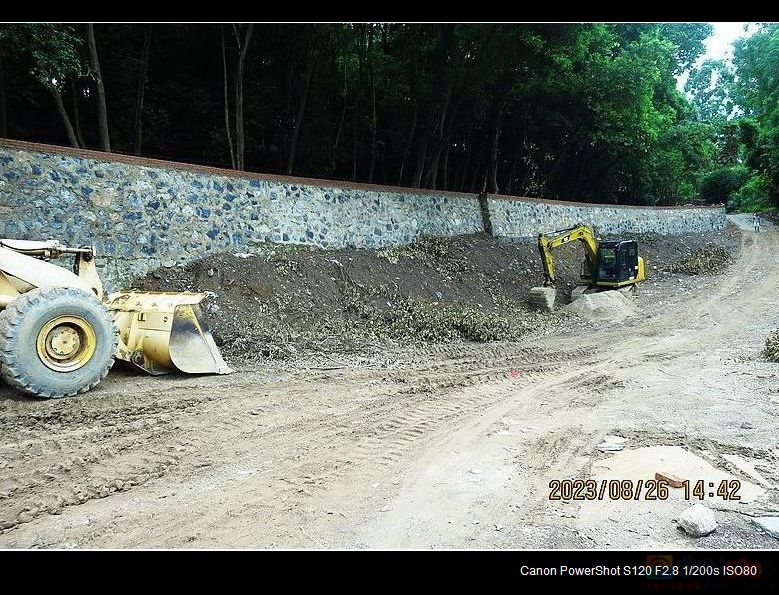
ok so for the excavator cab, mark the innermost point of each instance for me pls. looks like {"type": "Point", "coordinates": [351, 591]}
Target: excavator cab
{"type": "Point", "coordinates": [617, 264]}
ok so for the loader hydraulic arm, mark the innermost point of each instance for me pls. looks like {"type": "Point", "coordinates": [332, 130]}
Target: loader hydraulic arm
{"type": "Point", "coordinates": [28, 262]}
{"type": "Point", "coordinates": [553, 239]}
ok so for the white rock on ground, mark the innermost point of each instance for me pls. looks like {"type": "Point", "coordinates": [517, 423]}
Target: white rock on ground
{"type": "Point", "coordinates": [612, 443]}
{"type": "Point", "coordinates": [698, 521]}
{"type": "Point", "coordinates": [605, 305]}
{"type": "Point", "coordinates": [769, 524]}
{"type": "Point", "coordinates": [542, 298]}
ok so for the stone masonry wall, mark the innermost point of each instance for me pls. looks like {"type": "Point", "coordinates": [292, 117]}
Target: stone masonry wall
{"type": "Point", "coordinates": [141, 214]}
{"type": "Point", "coordinates": [526, 218]}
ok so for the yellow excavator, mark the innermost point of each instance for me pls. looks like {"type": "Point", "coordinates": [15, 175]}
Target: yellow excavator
{"type": "Point", "coordinates": [59, 333]}
{"type": "Point", "coordinates": [607, 265]}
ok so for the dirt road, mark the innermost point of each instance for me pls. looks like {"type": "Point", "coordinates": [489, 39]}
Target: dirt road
{"type": "Point", "coordinates": [449, 446]}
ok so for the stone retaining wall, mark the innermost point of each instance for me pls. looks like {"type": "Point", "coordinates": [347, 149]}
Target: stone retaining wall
{"type": "Point", "coordinates": [142, 213]}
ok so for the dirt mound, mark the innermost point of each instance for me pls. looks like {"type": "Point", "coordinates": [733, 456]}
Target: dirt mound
{"type": "Point", "coordinates": [711, 258]}
{"type": "Point", "coordinates": [605, 305]}
{"type": "Point", "coordinates": [286, 299]}
{"type": "Point", "coordinates": [282, 300]}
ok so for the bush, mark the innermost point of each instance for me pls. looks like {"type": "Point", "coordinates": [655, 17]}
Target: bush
{"type": "Point", "coordinates": [751, 197]}
{"type": "Point", "coordinates": [771, 351]}
{"type": "Point", "coordinates": [720, 184]}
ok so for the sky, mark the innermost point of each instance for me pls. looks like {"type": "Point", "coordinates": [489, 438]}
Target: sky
{"type": "Point", "coordinates": [719, 44]}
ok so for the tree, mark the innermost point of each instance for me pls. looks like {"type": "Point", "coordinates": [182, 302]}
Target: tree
{"type": "Point", "coordinates": [576, 111]}
{"type": "Point", "coordinates": [3, 109]}
{"type": "Point", "coordinates": [102, 112]}
{"type": "Point", "coordinates": [710, 87]}
{"type": "Point", "coordinates": [143, 66]}
{"type": "Point", "coordinates": [311, 57]}
{"type": "Point", "coordinates": [243, 37]}
{"type": "Point", "coordinates": [52, 52]}
{"type": "Point", "coordinates": [756, 91]}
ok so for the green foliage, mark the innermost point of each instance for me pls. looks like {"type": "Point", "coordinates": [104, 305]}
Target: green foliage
{"type": "Point", "coordinates": [719, 185]}
{"type": "Point", "coordinates": [52, 50]}
{"type": "Point", "coordinates": [676, 166]}
{"type": "Point", "coordinates": [757, 92]}
{"type": "Point", "coordinates": [688, 40]}
{"type": "Point", "coordinates": [709, 86]}
{"type": "Point", "coordinates": [753, 196]}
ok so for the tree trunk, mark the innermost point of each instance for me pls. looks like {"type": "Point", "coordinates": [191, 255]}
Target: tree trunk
{"type": "Point", "coordinates": [243, 49]}
{"type": "Point", "coordinates": [477, 165]}
{"type": "Point", "coordinates": [432, 171]}
{"type": "Point", "coordinates": [373, 103]}
{"type": "Point", "coordinates": [3, 112]}
{"type": "Point", "coordinates": [354, 141]}
{"type": "Point", "coordinates": [142, 69]}
{"type": "Point", "coordinates": [416, 182]}
{"type": "Point", "coordinates": [438, 88]}
{"type": "Point", "coordinates": [447, 140]}
{"type": "Point", "coordinates": [445, 183]}
{"type": "Point", "coordinates": [562, 154]}
{"type": "Point", "coordinates": [510, 177]}
{"type": "Point", "coordinates": [468, 150]}
{"type": "Point", "coordinates": [410, 140]}
{"type": "Point", "coordinates": [444, 130]}
{"type": "Point", "coordinates": [64, 115]}
{"type": "Point", "coordinates": [76, 117]}
{"type": "Point", "coordinates": [227, 101]}
{"type": "Point", "coordinates": [358, 95]}
{"type": "Point", "coordinates": [102, 113]}
{"type": "Point", "coordinates": [492, 172]}
{"type": "Point", "coordinates": [310, 63]}
{"type": "Point", "coordinates": [340, 129]}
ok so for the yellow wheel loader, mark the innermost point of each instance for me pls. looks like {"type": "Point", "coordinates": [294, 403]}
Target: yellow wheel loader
{"type": "Point", "coordinates": [59, 334]}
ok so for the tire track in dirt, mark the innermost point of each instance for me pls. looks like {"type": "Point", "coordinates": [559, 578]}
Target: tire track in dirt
{"type": "Point", "coordinates": [408, 406]}
{"type": "Point", "coordinates": [92, 446]}
{"type": "Point", "coordinates": [127, 443]}
{"type": "Point", "coordinates": [563, 449]}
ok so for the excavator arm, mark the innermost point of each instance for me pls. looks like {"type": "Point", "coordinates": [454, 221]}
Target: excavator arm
{"type": "Point", "coordinates": [548, 241]}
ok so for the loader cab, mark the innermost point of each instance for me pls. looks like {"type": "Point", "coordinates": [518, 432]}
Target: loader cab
{"type": "Point", "coordinates": [617, 263]}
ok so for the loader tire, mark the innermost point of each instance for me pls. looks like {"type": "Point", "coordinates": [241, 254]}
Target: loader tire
{"type": "Point", "coordinates": [56, 342]}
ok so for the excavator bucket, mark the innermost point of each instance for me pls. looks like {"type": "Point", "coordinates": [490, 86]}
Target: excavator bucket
{"type": "Point", "coordinates": [161, 332]}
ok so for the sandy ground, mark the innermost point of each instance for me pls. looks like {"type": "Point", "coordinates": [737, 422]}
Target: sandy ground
{"type": "Point", "coordinates": [448, 446]}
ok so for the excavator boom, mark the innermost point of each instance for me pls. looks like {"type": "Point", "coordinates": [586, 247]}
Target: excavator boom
{"type": "Point", "coordinates": [554, 239]}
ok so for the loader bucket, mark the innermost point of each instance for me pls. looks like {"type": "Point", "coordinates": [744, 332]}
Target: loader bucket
{"type": "Point", "coordinates": [161, 332]}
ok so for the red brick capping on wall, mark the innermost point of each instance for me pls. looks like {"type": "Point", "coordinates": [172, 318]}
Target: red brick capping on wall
{"type": "Point", "coordinates": [216, 171]}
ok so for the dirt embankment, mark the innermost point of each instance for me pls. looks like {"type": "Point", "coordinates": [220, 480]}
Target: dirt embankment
{"type": "Point", "coordinates": [287, 300]}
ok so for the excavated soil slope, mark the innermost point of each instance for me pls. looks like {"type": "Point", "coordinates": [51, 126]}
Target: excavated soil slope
{"type": "Point", "coordinates": [289, 300]}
